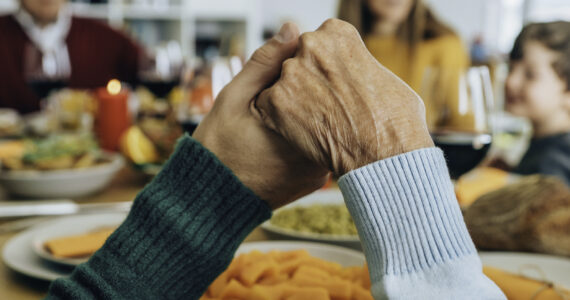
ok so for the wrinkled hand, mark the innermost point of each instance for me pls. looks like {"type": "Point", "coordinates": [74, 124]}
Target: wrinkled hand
{"type": "Point", "coordinates": [339, 106]}
{"type": "Point", "coordinates": [260, 158]}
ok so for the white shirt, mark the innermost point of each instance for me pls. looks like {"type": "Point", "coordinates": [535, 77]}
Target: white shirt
{"type": "Point", "coordinates": [50, 40]}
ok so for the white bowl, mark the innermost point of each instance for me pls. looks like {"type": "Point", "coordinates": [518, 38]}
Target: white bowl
{"type": "Point", "coordinates": [329, 196]}
{"type": "Point", "coordinates": [61, 183]}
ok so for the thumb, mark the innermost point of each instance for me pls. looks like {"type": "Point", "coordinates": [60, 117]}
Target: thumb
{"type": "Point", "coordinates": [265, 64]}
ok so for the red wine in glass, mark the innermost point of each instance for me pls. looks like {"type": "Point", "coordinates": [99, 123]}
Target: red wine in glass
{"type": "Point", "coordinates": [159, 87]}
{"type": "Point", "coordinates": [43, 87]}
{"type": "Point", "coordinates": [463, 150]}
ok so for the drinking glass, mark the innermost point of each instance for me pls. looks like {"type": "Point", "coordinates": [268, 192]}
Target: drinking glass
{"type": "Point", "coordinates": [459, 107]}
{"type": "Point", "coordinates": [162, 73]}
{"type": "Point", "coordinates": [44, 74]}
{"type": "Point", "coordinates": [202, 84]}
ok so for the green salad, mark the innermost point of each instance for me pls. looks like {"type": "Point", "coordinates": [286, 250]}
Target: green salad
{"type": "Point", "coordinates": [56, 152]}
{"type": "Point", "coordinates": [57, 146]}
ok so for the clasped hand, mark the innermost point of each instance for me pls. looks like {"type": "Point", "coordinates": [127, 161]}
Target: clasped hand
{"type": "Point", "coordinates": [307, 105]}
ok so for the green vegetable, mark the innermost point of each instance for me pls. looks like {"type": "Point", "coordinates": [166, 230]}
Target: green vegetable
{"type": "Point", "coordinates": [323, 219]}
{"type": "Point", "coordinates": [57, 146]}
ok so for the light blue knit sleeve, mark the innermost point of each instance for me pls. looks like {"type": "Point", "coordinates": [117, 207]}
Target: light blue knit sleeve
{"type": "Point", "coordinates": [412, 231]}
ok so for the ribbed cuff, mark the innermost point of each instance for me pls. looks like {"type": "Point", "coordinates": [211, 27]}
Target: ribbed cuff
{"type": "Point", "coordinates": [185, 225]}
{"type": "Point", "coordinates": [405, 208]}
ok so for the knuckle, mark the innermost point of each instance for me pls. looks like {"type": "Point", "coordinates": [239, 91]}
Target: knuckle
{"type": "Point", "coordinates": [276, 95]}
{"type": "Point", "coordinates": [308, 41]}
{"type": "Point", "coordinates": [277, 98]}
{"type": "Point", "coordinates": [336, 24]}
{"type": "Point", "coordinates": [349, 28]}
{"type": "Point", "coordinates": [340, 27]}
{"type": "Point", "coordinates": [289, 67]}
{"type": "Point", "coordinates": [263, 100]}
{"type": "Point", "coordinates": [330, 23]}
{"type": "Point", "coordinates": [270, 97]}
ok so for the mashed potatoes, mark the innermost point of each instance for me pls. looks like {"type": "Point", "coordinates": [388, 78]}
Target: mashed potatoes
{"type": "Point", "coordinates": [322, 219]}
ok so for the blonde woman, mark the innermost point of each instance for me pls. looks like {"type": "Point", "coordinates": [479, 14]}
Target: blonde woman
{"type": "Point", "coordinates": [407, 38]}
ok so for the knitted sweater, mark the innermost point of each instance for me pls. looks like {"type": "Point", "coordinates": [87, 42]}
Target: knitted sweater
{"type": "Point", "coordinates": [185, 226]}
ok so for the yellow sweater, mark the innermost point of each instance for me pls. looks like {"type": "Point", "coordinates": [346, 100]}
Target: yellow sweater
{"type": "Point", "coordinates": [442, 53]}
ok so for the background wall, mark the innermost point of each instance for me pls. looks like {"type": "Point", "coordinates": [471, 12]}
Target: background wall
{"type": "Point", "coordinates": [307, 14]}
{"type": "Point", "coordinates": [497, 21]}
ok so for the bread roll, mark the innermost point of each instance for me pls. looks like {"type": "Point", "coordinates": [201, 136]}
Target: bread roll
{"type": "Point", "coordinates": [530, 215]}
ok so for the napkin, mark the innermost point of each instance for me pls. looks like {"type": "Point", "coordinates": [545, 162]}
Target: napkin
{"type": "Point", "coordinates": [519, 287]}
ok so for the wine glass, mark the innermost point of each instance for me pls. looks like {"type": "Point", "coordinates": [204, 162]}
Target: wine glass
{"type": "Point", "coordinates": [459, 106]}
{"type": "Point", "coordinates": [46, 72]}
{"type": "Point", "coordinates": [162, 73]}
{"type": "Point", "coordinates": [202, 85]}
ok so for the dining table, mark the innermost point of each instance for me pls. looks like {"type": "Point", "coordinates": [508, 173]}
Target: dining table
{"type": "Point", "coordinates": [128, 182]}
{"type": "Point", "coordinates": [124, 187]}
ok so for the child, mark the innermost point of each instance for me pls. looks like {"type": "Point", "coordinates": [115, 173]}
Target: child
{"type": "Point", "coordinates": [538, 88]}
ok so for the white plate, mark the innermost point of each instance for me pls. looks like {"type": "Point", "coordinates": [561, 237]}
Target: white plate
{"type": "Point", "coordinates": [19, 254]}
{"type": "Point", "coordinates": [341, 255]}
{"type": "Point", "coordinates": [555, 268]}
{"type": "Point", "coordinates": [330, 196]}
{"type": "Point", "coordinates": [71, 226]}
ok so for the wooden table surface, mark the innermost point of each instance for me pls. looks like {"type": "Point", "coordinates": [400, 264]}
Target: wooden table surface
{"type": "Point", "coordinates": [124, 187]}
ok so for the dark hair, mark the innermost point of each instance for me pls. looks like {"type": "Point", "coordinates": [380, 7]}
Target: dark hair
{"type": "Point", "coordinates": [421, 23]}
{"type": "Point", "coordinates": [554, 36]}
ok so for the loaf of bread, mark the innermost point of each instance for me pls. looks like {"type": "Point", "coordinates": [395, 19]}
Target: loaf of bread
{"type": "Point", "coordinates": [530, 215]}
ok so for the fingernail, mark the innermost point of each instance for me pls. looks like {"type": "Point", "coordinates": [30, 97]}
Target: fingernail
{"type": "Point", "coordinates": [285, 34]}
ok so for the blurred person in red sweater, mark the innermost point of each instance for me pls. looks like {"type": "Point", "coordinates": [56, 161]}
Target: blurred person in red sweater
{"type": "Point", "coordinates": [43, 46]}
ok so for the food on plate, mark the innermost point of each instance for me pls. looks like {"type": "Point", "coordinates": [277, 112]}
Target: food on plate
{"type": "Point", "coordinates": [331, 219]}
{"type": "Point", "coordinates": [11, 123]}
{"type": "Point", "coordinates": [55, 152]}
{"type": "Point", "coordinates": [74, 109]}
{"type": "Point", "coordinates": [12, 149]}
{"type": "Point", "coordinates": [152, 139]}
{"type": "Point", "coordinates": [137, 147]}
{"type": "Point", "coordinates": [81, 245]}
{"type": "Point", "coordinates": [530, 215]}
{"type": "Point", "coordinates": [41, 124]}
{"type": "Point", "coordinates": [293, 275]}
{"type": "Point", "coordinates": [478, 182]}
{"type": "Point", "coordinates": [163, 133]}
{"type": "Point", "coordinates": [518, 287]}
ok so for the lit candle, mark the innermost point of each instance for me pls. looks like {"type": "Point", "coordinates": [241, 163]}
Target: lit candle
{"type": "Point", "coordinates": [112, 114]}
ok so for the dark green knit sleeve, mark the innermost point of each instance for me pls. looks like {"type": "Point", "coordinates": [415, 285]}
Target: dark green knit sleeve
{"type": "Point", "coordinates": [181, 233]}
